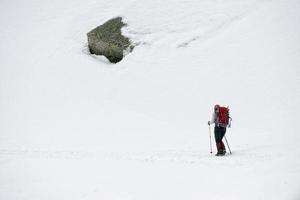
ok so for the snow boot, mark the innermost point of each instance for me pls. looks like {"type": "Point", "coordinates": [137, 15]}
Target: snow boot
{"type": "Point", "coordinates": [220, 150]}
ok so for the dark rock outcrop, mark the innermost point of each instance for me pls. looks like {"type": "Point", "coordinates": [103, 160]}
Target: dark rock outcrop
{"type": "Point", "coordinates": [108, 40]}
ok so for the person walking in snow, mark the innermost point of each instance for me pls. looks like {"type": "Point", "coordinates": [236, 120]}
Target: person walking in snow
{"type": "Point", "coordinates": [220, 118]}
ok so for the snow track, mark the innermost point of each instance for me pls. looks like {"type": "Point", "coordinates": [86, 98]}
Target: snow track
{"type": "Point", "coordinates": [165, 156]}
{"type": "Point", "coordinates": [184, 22]}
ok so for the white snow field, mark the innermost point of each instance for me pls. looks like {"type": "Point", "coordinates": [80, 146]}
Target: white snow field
{"type": "Point", "coordinates": [75, 127]}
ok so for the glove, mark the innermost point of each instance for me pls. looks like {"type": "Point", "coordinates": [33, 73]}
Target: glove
{"type": "Point", "coordinates": [208, 123]}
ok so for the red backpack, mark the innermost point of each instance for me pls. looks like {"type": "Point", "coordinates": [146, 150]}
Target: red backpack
{"type": "Point", "coordinates": [223, 117]}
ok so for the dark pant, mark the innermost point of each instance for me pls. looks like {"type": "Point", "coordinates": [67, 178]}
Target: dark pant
{"type": "Point", "coordinates": [219, 134]}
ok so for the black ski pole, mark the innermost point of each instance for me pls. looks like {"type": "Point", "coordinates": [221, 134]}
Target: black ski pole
{"type": "Point", "coordinates": [227, 144]}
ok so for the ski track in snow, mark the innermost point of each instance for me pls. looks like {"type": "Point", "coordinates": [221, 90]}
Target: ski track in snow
{"type": "Point", "coordinates": [166, 156]}
{"type": "Point", "coordinates": [206, 25]}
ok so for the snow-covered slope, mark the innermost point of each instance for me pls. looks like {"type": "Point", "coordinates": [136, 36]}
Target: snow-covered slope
{"type": "Point", "coordinates": [74, 126]}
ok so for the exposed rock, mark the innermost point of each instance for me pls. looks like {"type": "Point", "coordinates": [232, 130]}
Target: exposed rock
{"type": "Point", "coordinates": [108, 40]}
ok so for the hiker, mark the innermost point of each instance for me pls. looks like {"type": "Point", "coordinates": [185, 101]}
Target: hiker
{"type": "Point", "coordinates": [220, 118]}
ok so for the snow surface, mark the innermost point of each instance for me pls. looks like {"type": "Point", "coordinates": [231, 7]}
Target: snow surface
{"type": "Point", "coordinates": [73, 126]}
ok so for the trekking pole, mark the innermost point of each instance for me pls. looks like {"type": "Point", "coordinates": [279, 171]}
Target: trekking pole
{"type": "Point", "coordinates": [210, 138]}
{"type": "Point", "coordinates": [227, 144]}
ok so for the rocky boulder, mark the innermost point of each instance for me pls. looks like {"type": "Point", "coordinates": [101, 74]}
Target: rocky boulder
{"type": "Point", "coordinates": [107, 40]}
